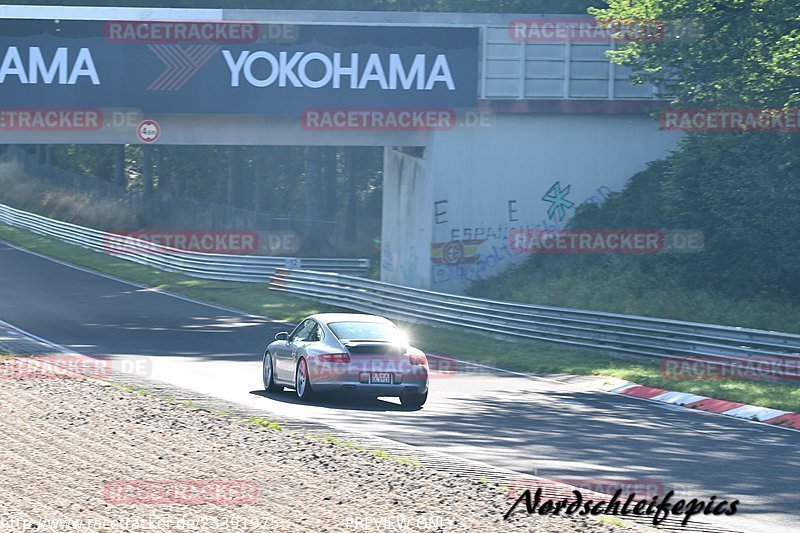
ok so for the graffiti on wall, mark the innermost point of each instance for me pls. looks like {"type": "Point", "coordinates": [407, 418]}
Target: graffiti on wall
{"type": "Point", "coordinates": [387, 257]}
{"type": "Point", "coordinates": [559, 204]}
{"type": "Point", "coordinates": [469, 253]}
{"type": "Point", "coordinates": [455, 252]}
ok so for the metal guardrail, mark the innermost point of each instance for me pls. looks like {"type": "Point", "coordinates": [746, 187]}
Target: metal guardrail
{"type": "Point", "coordinates": [636, 335]}
{"type": "Point", "coordinates": [222, 267]}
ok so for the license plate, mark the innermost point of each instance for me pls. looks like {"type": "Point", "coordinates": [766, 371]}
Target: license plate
{"type": "Point", "coordinates": [380, 378]}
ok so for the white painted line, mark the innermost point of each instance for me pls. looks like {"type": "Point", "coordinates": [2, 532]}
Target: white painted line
{"type": "Point", "coordinates": [612, 384]}
{"type": "Point", "coordinates": [623, 388]}
{"type": "Point", "coordinates": [679, 398]}
{"type": "Point", "coordinates": [754, 411]}
{"type": "Point", "coordinates": [145, 287]}
{"type": "Point", "coordinates": [23, 333]}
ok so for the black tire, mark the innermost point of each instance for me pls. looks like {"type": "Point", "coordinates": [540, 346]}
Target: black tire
{"type": "Point", "coordinates": [268, 378]}
{"type": "Point", "coordinates": [302, 381]}
{"type": "Point", "coordinates": [413, 400]}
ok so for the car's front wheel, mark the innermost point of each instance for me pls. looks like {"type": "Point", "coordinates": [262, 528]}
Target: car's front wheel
{"type": "Point", "coordinates": [267, 374]}
{"type": "Point", "coordinates": [413, 400]}
{"type": "Point", "coordinates": [302, 381]}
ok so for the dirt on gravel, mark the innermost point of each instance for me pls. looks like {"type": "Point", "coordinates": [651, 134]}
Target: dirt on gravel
{"type": "Point", "coordinates": [80, 454]}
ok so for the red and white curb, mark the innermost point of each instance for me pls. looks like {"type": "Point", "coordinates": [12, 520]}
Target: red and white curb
{"type": "Point", "coordinates": [711, 405]}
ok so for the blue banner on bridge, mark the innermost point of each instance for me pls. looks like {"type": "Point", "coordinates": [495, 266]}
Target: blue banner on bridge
{"type": "Point", "coordinates": [235, 67]}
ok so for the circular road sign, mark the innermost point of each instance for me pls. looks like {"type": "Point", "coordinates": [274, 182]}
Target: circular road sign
{"type": "Point", "coordinates": [148, 131]}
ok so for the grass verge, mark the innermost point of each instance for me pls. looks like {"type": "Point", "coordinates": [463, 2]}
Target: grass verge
{"type": "Point", "coordinates": [379, 453]}
{"type": "Point", "coordinates": [264, 423]}
{"type": "Point", "coordinates": [526, 356]}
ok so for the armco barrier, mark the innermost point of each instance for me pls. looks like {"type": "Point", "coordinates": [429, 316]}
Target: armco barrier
{"type": "Point", "coordinates": [222, 267]}
{"type": "Point", "coordinates": [635, 335]}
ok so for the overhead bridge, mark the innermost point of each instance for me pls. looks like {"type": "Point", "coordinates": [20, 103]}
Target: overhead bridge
{"type": "Point", "coordinates": [490, 122]}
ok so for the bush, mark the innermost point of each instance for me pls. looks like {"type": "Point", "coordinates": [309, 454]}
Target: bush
{"type": "Point", "coordinates": [22, 191]}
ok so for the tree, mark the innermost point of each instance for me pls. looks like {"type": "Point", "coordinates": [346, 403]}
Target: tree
{"type": "Point", "coordinates": [716, 52]}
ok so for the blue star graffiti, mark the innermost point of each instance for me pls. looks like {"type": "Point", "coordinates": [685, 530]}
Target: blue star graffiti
{"type": "Point", "coordinates": [558, 198]}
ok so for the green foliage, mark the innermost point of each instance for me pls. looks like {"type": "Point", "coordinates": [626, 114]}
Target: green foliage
{"type": "Point", "coordinates": [39, 196]}
{"type": "Point", "coordinates": [91, 160]}
{"type": "Point", "coordinates": [717, 52]}
{"type": "Point", "coordinates": [264, 423]}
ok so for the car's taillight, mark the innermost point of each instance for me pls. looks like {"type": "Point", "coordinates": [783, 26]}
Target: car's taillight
{"type": "Point", "coordinates": [418, 360]}
{"type": "Point", "coordinates": [335, 358]}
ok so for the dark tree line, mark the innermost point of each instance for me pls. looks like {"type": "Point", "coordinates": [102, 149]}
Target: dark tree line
{"type": "Point", "coordinates": [330, 193]}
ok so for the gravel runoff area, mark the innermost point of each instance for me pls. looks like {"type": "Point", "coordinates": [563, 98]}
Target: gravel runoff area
{"type": "Point", "coordinates": [80, 454]}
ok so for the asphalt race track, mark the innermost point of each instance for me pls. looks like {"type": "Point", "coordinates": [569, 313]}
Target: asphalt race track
{"type": "Point", "coordinates": [558, 430]}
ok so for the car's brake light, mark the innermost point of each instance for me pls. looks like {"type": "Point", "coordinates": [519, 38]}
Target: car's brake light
{"type": "Point", "coordinates": [418, 360]}
{"type": "Point", "coordinates": [335, 358]}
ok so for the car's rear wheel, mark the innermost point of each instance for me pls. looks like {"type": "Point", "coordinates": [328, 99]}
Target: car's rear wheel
{"type": "Point", "coordinates": [413, 400]}
{"type": "Point", "coordinates": [267, 374]}
{"type": "Point", "coordinates": [302, 381]}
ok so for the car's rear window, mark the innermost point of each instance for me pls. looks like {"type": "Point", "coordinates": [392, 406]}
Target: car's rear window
{"type": "Point", "coordinates": [365, 331]}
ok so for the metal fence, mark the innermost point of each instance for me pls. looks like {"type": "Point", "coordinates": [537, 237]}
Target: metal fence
{"type": "Point", "coordinates": [624, 334]}
{"type": "Point", "coordinates": [246, 268]}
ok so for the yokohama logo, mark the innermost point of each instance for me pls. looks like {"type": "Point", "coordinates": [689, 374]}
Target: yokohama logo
{"type": "Point", "coordinates": [181, 63]}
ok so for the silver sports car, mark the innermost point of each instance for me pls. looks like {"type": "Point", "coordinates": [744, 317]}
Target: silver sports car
{"type": "Point", "coordinates": [350, 353]}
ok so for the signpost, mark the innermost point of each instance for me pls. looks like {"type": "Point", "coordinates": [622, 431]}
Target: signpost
{"type": "Point", "coordinates": [148, 131]}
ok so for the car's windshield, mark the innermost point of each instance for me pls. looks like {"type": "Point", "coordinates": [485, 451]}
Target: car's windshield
{"type": "Point", "coordinates": [366, 331]}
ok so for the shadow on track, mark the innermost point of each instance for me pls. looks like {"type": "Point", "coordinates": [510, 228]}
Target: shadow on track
{"type": "Point", "coordinates": [331, 401]}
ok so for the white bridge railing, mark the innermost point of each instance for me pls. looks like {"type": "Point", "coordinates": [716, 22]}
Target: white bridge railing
{"type": "Point", "coordinates": [222, 267]}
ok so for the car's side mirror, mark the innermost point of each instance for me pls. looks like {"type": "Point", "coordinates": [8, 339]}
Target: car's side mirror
{"type": "Point", "coordinates": [282, 336]}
